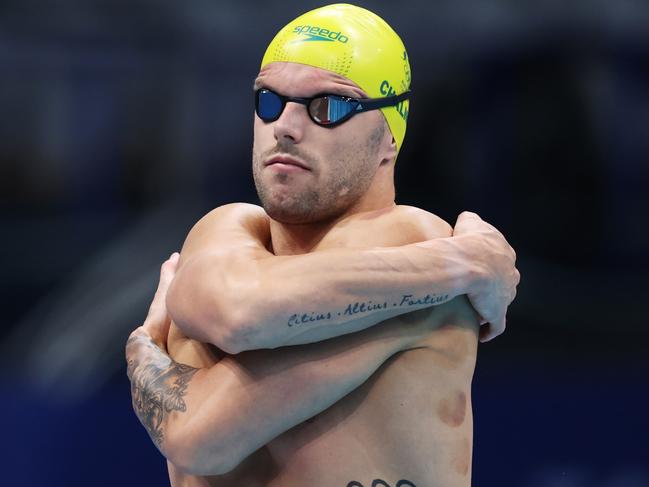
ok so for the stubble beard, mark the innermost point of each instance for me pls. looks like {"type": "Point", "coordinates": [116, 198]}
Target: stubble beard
{"type": "Point", "coordinates": [350, 174]}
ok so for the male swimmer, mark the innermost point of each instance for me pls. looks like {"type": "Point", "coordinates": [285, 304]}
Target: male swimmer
{"type": "Point", "coordinates": [329, 338]}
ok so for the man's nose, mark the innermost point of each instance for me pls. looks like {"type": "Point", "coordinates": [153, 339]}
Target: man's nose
{"type": "Point", "coordinates": [291, 123]}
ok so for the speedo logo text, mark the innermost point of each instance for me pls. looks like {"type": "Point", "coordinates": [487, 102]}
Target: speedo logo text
{"type": "Point", "coordinates": [315, 33]}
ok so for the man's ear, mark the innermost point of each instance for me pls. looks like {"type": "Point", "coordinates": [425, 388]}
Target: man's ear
{"type": "Point", "coordinates": [390, 151]}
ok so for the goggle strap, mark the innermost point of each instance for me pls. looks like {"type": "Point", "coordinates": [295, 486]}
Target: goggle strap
{"type": "Point", "coordinates": [388, 101]}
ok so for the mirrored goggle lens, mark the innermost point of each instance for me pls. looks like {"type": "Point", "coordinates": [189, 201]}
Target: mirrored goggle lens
{"type": "Point", "coordinates": [331, 109]}
{"type": "Point", "coordinates": [269, 105]}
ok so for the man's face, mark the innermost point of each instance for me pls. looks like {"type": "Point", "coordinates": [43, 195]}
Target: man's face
{"type": "Point", "coordinates": [338, 163]}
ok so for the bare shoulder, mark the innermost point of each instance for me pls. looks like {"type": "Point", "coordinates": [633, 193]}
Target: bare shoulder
{"type": "Point", "coordinates": [227, 227]}
{"type": "Point", "coordinates": [421, 222]}
{"type": "Point", "coordinates": [388, 227]}
{"type": "Point", "coordinates": [232, 214]}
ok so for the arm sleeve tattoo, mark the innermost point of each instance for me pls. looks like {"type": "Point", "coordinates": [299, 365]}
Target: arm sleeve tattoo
{"type": "Point", "coordinates": [158, 384]}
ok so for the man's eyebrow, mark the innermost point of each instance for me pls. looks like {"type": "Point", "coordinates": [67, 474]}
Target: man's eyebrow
{"type": "Point", "coordinates": [257, 84]}
{"type": "Point", "coordinates": [346, 92]}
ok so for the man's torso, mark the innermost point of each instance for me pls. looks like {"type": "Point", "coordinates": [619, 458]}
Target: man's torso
{"type": "Point", "coordinates": [409, 424]}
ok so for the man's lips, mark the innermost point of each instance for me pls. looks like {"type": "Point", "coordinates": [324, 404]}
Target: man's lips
{"type": "Point", "coordinates": [286, 161]}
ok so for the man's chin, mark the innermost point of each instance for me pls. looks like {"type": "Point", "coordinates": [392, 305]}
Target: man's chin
{"type": "Point", "coordinates": [296, 216]}
{"type": "Point", "coordinates": [289, 217]}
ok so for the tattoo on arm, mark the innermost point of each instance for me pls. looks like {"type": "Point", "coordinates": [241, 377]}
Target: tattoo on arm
{"type": "Point", "coordinates": [364, 307]}
{"type": "Point", "coordinates": [158, 384]}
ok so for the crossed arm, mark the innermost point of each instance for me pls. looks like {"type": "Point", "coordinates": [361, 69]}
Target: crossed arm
{"type": "Point", "coordinates": [260, 300]}
{"type": "Point", "coordinates": [206, 421]}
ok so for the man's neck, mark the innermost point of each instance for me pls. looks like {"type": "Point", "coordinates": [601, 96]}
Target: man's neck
{"type": "Point", "coordinates": [293, 239]}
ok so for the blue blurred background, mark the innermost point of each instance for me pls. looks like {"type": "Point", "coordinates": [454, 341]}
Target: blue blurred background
{"type": "Point", "coordinates": [124, 122]}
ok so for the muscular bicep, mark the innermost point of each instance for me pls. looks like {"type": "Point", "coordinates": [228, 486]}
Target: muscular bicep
{"type": "Point", "coordinates": [236, 227]}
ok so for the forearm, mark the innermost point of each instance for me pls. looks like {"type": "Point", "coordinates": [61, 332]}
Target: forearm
{"type": "Point", "coordinates": [158, 385]}
{"type": "Point", "coordinates": [222, 414]}
{"type": "Point", "coordinates": [277, 301]}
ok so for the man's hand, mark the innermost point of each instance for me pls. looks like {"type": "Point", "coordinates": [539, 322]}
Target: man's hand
{"type": "Point", "coordinates": [154, 330]}
{"type": "Point", "coordinates": [492, 294]}
{"type": "Point", "coordinates": [157, 321]}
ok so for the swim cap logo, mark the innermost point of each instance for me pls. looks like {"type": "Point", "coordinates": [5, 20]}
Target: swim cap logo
{"type": "Point", "coordinates": [314, 33]}
{"type": "Point", "coordinates": [387, 90]}
{"type": "Point", "coordinates": [406, 71]}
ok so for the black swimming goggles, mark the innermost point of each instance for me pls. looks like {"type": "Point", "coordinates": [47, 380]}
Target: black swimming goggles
{"type": "Point", "coordinates": [325, 110]}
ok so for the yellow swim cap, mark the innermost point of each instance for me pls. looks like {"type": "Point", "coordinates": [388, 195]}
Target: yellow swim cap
{"type": "Point", "coordinates": [354, 43]}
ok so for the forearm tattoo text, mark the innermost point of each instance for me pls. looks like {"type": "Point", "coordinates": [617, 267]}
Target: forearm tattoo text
{"type": "Point", "coordinates": [365, 307]}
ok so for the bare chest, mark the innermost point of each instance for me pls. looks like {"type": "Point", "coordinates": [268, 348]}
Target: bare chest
{"type": "Point", "coordinates": [389, 432]}
{"type": "Point", "coordinates": [409, 424]}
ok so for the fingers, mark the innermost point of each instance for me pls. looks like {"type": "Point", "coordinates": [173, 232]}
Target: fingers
{"type": "Point", "coordinates": [496, 288]}
{"type": "Point", "coordinates": [485, 334]}
{"type": "Point", "coordinates": [158, 309]}
{"type": "Point", "coordinates": [468, 221]}
{"type": "Point", "coordinates": [518, 279]}
{"type": "Point", "coordinates": [468, 215]}
{"type": "Point", "coordinates": [492, 330]}
{"type": "Point", "coordinates": [157, 321]}
{"type": "Point", "coordinates": [465, 221]}
{"type": "Point", "coordinates": [167, 272]}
